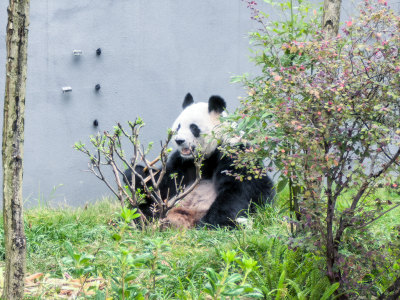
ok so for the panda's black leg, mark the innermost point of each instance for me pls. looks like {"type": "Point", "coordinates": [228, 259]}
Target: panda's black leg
{"type": "Point", "coordinates": [146, 207]}
{"type": "Point", "coordinates": [225, 209]}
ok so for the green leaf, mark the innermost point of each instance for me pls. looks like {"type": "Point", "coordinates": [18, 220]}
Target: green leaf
{"type": "Point", "coordinates": [229, 256]}
{"type": "Point", "coordinates": [212, 275]}
{"type": "Point", "coordinates": [330, 291]}
{"type": "Point", "coordinates": [281, 285]}
{"type": "Point", "coordinates": [301, 295]}
{"type": "Point", "coordinates": [116, 237]}
{"type": "Point", "coordinates": [130, 277]}
{"type": "Point", "coordinates": [254, 295]}
{"type": "Point", "coordinates": [282, 184]}
{"type": "Point", "coordinates": [234, 278]}
{"type": "Point", "coordinates": [234, 292]}
{"type": "Point", "coordinates": [86, 259]}
{"type": "Point", "coordinates": [68, 247]}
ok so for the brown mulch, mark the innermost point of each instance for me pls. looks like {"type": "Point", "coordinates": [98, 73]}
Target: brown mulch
{"type": "Point", "coordinates": [43, 285]}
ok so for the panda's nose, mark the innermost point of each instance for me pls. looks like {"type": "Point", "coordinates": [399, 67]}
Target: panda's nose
{"type": "Point", "coordinates": [179, 142]}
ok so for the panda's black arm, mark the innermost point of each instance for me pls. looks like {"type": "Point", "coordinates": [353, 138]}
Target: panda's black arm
{"type": "Point", "coordinates": [178, 171]}
{"type": "Point", "coordinates": [175, 165]}
{"type": "Point", "coordinates": [234, 197]}
{"type": "Point", "coordinates": [226, 208]}
{"type": "Point", "coordinates": [144, 207]}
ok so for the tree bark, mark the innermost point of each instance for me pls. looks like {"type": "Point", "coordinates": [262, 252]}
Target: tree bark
{"type": "Point", "coordinates": [12, 148]}
{"type": "Point", "coordinates": [331, 17]}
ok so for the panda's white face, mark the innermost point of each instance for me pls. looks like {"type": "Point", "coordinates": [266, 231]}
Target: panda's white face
{"type": "Point", "coordinates": [193, 128]}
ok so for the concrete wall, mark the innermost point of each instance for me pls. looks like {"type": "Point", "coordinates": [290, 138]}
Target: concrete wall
{"type": "Point", "coordinates": [153, 53]}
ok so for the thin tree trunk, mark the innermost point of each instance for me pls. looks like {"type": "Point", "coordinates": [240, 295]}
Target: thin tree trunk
{"type": "Point", "coordinates": [331, 17]}
{"type": "Point", "coordinates": [13, 140]}
{"type": "Point", "coordinates": [330, 24]}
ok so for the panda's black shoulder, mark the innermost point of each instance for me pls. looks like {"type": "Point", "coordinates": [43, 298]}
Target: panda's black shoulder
{"type": "Point", "coordinates": [220, 165]}
{"type": "Point", "coordinates": [217, 165]}
{"type": "Point", "coordinates": [176, 162]}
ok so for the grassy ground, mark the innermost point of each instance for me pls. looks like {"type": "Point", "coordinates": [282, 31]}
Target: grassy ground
{"type": "Point", "coordinates": [173, 264]}
{"type": "Point", "coordinates": [90, 231]}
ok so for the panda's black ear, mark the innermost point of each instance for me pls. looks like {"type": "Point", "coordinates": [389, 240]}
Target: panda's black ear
{"type": "Point", "coordinates": [187, 101]}
{"type": "Point", "coordinates": [217, 104]}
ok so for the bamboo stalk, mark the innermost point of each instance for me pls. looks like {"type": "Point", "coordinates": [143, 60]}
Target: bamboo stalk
{"type": "Point", "coordinates": [152, 163]}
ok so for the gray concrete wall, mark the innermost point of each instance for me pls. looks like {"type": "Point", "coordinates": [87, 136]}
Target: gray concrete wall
{"type": "Point", "coordinates": [153, 53]}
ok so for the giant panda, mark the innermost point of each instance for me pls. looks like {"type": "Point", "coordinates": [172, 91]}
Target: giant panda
{"type": "Point", "coordinates": [219, 199]}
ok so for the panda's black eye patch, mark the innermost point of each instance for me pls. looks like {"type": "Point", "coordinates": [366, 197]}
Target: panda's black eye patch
{"type": "Point", "coordinates": [195, 130]}
{"type": "Point", "coordinates": [179, 127]}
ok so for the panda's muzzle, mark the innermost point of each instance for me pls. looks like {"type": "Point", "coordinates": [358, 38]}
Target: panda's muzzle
{"type": "Point", "coordinates": [188, 151]}
{"type": "Point", "coordinates": [185, 149]}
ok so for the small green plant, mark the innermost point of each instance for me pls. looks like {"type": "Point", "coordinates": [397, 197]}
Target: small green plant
{"type": "Point", "coordinates": [82, 263]}
{"type": "Point", "coordinates": [124, 270]}
{"type": "Point", "coordinates": [134, 270]}
{"type": "Point", "coordinates": [283, 272]}
{"type": "Point", "coordinates": [232, 284]}
{"type": "Point", "coordinates": [124, 266]}
{"type": "Point", "coordinates": [108, 151]}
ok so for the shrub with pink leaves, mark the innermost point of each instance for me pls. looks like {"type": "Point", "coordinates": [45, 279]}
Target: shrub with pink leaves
{"type": "Point", "coordinates": [325, 113]}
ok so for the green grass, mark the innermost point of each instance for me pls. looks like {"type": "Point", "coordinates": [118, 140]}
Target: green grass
{"type": "Point", "coordinates": [47, 230]}
{"type": "Point", "coordinates": [89, 230]}
{"type": "Point", "coordinates": [179, 271]}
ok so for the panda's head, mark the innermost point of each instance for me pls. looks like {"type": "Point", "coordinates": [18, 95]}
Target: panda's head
{"type": "Point", "coordinates": [195, 124]}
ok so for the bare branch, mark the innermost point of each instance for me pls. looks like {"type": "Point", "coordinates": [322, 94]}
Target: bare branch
{"type": "Point", "coordinates": [377, 217]}
{"type": "Point", "coordinates": [343, 224]}
{"type": "Point", "coordinates": [180, 196]}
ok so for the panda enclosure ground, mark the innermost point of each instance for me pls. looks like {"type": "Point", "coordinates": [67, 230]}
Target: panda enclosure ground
{"type": "Point", "coordinates": [178, 269]}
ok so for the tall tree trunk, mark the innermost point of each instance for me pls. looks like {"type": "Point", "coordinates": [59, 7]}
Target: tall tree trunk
{"type": "Point", "coordinates": [331, 17]}
{"type": "Point", "coordinates": [13, 141]}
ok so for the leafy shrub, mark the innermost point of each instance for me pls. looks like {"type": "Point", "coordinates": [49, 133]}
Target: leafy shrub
{"type": "Point", "coordinates": [326, 114]}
